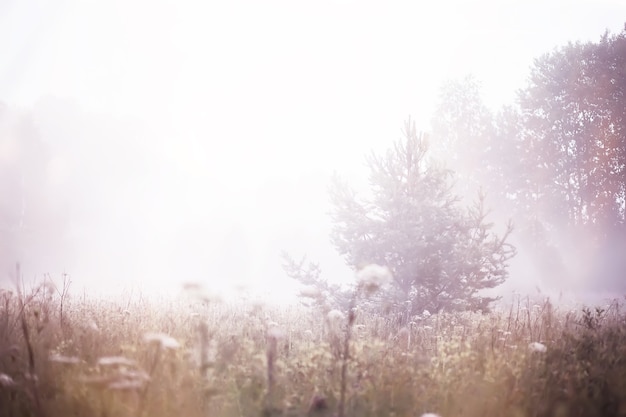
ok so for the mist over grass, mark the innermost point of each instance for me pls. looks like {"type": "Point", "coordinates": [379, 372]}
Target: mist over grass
{"type": "Point", "coordinates": [63, 353]}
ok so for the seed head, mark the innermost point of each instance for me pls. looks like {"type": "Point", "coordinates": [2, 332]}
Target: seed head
{"type": "Point", "coordinates": [372, 277]}
{"type": "Point", "coordinates": [334, 316]}
{"type": "Point", "coordinates": [275, 331]}
{"type": "Point", "coordinates": [115, 361]}
{"type": "Point", "coordinates": [165, 341]}
{"type": "Point", "coordinates": [310, 291]}
{"type": "Point", "coordinates": [537, 347]}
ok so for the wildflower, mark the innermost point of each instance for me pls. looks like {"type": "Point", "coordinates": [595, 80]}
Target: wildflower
{"type": "Point", "coordinates": [6, 381]}
{"type": "Point", "coordinates": [128, 380]}
{"type": "Point", "coordinates": [426, 314]}
{"type": "Point", "coordinates": [126, 384]}
{"type": "Point", "coordinates": [430, 415]}
{"type": "Point", "coordinates": [115, 361]}
{"type": "Point", "coordinates": [334, 316]}
{"type": "Point", "coordinates": [134, 374]}
{"type": "Point", "coordinates": [537, 347]}
{"type": "Point", "coordinates": [93, 326]}
{"type": "Point", "coordinates": [372, 277]}
{"type": "Point", "coordinates": [275, 331]}
{"type": "Point", "coordinates": [165, 341]}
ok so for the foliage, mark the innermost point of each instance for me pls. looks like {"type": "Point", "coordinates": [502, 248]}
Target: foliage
{"type": "Point", "coordinates": [462, 131]}
{"type": "Point", "coordinates": [555, 162]}
{"type": "Point", "coordinates": [573, 130]}
{"type": "Point", "coordinates": [574, 125]}
{"type": "Point", "coordinates": [217, 359]}
{"type": "Point", "coordinates": [315, 290]}
{"type": "Point", "coordinates": [441, 255]}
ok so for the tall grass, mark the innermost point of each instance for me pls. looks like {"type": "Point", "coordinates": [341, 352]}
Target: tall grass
{"type": "Point", "coordinates": [71, 356]}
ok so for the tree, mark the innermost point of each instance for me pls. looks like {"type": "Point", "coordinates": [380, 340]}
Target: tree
{"type": "Point", "coordinates": [441, 255]}
{"type": "Point", "coordinates": [574, 119]}
{"type": "Point", "coordinates": [462, 129]}
{"type": "Point", "coordinates": [316, 291]}
{"type": "Point", "coordinates": [573, 131]}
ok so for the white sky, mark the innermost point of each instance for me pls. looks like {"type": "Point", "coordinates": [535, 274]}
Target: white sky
{"type": "Point", "coordinates": [256, 103]}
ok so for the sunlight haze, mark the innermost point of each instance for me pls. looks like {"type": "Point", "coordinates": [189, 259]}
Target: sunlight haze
{"type": "Point", "coordinates": [194, 141]}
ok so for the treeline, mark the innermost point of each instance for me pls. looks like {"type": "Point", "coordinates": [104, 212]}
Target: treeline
{"type": "Point", "coordinates": [554, 161]}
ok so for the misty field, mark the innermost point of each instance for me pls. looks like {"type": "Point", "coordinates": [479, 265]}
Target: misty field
{"type": "Point", "coordinates": [67, 355]}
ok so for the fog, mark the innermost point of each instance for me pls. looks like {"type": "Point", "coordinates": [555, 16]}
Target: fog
{"type": "Point", "coordinates": [194, 141]}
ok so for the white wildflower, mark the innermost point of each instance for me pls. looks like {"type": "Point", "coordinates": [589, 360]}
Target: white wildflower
{"type": "Point", "coordinates": [134, 375]}
{"type": "Point", "coordinates": [6, 381]}
{"type": "Point", "coordinates": [115, 361]}
{"type": "Point", "coordinates": [430, 415]}
{"type": "Point", "coordinates": [274, 331]}
{"type": "Point", "coordinates": [93, 326]}
{"type": "Point", "coordinates": [334, 316]}
{"type": "Point", "coordinates": [426, 314]}
{"type": "Point", "coordinates": [126, 385]}
{"type": "Point", "coordinates": [372, 277]}
{"type": "Point", "coordinates": [165, 341]}
{"type": "Point", "coordinates": [537, 347]}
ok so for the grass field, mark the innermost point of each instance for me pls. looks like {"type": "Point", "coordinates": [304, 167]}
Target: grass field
{"type": "Point", "coordinates": [64, 355]}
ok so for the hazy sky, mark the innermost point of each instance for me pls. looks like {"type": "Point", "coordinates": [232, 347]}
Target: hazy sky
{"type": "Point", "coordinates": [249, 106]}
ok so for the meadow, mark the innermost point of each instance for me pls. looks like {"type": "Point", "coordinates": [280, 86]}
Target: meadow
{"type": "Point", "coordinates": [62, 354]}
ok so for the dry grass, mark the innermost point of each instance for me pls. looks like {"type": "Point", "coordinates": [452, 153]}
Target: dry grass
{"type": "Point", "coordinates": [65, 356]}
